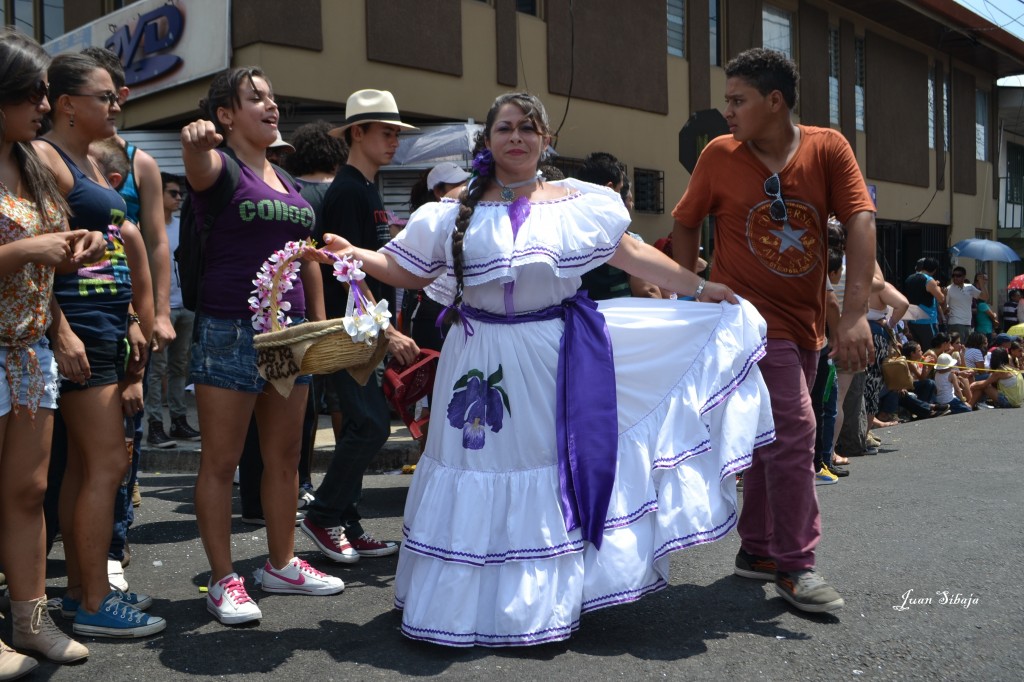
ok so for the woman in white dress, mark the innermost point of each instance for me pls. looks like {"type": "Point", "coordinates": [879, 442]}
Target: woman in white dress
{"type": "Point", "coordinates": [571, 449]}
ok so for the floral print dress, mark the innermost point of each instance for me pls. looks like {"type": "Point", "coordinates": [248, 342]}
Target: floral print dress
{"type": "Point", "coordinates": [487, 558]}
{"type": "Point", "coordinates": [25, 313]}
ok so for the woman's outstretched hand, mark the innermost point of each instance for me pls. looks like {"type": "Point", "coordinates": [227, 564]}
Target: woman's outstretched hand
{"type": "Point", "coordinates": [333, 243]}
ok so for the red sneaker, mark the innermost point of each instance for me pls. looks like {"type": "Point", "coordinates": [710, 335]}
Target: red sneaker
{"type": "Point", "coordinates": [367, 545]}
{"type": "Point", "coordinates": [331, 541]}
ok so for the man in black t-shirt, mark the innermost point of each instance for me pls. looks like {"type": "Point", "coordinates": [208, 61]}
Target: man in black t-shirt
{"type": "Point", "coordinates": [353, 208]}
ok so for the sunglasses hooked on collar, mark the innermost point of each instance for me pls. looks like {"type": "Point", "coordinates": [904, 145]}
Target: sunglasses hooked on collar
{"type": "Point", "coordinates": [777, 209]}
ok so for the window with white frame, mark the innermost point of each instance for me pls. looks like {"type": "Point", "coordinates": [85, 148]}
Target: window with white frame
{"type": "Point", "coordinates": [833, 76]}
{"type": "Point", "coordinates": [676, 14]}
{"type": "Point", "coordinates": [931, 111]}
{"type": "Point", "coordinates": [945, 113]}
{"type": "Point", "coordinates": [777, 27]}
{"type": "Point", "coordinates": [981, 125]}
{"type": "Point", "coordinates": [858, 88]}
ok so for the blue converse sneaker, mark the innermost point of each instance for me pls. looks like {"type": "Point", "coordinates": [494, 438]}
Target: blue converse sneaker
{"type": "Point", "coordinates": [117, 619]}
{"type": "Point", "coordinates": [69, 606]}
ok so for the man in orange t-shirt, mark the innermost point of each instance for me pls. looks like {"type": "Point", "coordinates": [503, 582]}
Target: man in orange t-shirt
{"type": "Point", "coordinates": [771, 186]}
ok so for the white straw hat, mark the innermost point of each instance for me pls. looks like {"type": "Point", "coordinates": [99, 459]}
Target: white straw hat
{"type": "Point", "coordinates": [371, 106]}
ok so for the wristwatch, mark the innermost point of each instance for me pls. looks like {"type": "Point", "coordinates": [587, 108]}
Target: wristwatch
{"type": "Point", "coordinates": [133, 318]}
{"type": "Point", "coordinates": [699, 290]}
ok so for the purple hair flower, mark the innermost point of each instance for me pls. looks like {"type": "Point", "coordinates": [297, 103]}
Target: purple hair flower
{"type": "Point", "coordinates": [483, 163]}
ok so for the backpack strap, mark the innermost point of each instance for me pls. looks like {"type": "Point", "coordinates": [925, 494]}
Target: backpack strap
{"type": "Point", "coordinates": [222, 191]}
{"type": "Point", "coordinates": [287, 176]}
{"type": "Point", "coordinates": [219, 199]}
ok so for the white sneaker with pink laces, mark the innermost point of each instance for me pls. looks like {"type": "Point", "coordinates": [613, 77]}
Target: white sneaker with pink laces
{"type": "Point", "coordinates": [228, 601]}
{"type": "Point", "coordinates": [298, 577]}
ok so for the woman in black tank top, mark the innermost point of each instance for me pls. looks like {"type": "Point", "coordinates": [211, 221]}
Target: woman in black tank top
{"type": "Point", "coordinates": [89, 345]}
{"type": "Point", "coordinates": [34, 239]}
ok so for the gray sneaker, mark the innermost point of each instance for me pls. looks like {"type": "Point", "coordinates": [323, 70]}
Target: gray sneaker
{"type": "Point", "coordinates": [808, 591]}
{"type": "Point", "coordinates": [754, 567]}
{"type": "Point", "coordinates": [306, 499]}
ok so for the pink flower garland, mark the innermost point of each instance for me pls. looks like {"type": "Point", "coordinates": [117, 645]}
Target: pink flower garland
{"type": "Point", "coordinates": [277, 275]}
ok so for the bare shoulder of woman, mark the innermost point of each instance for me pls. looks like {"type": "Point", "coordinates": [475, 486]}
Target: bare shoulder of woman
{"type": "Point", "coordinates": [551, 190]}
{"type": "Point", "coordinates": [49, 156]}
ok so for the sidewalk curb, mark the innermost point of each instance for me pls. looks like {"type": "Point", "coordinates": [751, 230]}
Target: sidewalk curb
{"type": "Point", "coordinates": [395, 454]}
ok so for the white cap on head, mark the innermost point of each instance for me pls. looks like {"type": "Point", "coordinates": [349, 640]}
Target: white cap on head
{"type": "Point", "coordinates": [447, 172]}
{"type": "Point", "coordinates": [945, 361]}
{"type": "Point", "coordinates": [279, 143]}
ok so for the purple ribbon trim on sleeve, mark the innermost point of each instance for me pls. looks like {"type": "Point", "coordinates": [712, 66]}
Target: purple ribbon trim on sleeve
{"type": "Point", "coordinates": [587, 412]}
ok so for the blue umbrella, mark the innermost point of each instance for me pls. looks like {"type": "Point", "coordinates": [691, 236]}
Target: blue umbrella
{"type": "Point", "coordinates": [984, 249]}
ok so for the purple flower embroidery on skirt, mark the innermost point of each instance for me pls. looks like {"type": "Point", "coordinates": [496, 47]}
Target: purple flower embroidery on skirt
{"type": "Point", "coordinates": [477, 403]}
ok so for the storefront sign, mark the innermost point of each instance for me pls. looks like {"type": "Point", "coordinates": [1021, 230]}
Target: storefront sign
{"type": "Point", "coordinates": [161, 44]}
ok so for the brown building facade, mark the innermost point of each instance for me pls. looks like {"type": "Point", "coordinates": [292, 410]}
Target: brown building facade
{"type": "Point", "coordinates": [912, 85]}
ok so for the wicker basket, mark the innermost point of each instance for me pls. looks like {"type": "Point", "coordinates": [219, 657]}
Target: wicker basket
{"type": "Point", "coordinates": [332, 349]}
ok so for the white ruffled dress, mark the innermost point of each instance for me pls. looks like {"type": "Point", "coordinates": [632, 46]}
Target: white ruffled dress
{"type": "Point", "coordinates": [486, 558]}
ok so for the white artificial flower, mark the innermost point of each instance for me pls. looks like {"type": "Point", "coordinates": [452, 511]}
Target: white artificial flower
{"type": "Point", "coordinates": [380, 314]}
{"type": "Point", "coordinates": [351, 325]}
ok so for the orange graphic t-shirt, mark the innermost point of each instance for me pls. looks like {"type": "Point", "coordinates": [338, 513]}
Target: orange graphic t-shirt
{"type": "Point", "coordinates": [778, 265]}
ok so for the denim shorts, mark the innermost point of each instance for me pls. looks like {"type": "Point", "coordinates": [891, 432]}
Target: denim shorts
{"type": "Point", "coordinates": [47, 365]}
{"type": "Point", "coordinates": [223, 356]}
{"type": "Point", "coordinates": [106, 364]}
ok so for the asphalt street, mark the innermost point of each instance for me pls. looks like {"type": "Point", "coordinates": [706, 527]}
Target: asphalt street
{"type": "Point", "coordinates": [923, 540]}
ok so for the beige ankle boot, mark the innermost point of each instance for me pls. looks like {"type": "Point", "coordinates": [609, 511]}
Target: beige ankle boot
{"type": "Point", "coordinates": [35, 630]}
{"type": "Point", "coordinates": [13, 665]}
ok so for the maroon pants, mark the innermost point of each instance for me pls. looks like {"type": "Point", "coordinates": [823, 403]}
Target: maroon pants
{"type": "Point", "coordinates": [780, 517]}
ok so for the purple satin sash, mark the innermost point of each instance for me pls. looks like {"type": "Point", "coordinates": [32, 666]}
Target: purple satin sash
{"type": "Point", "coordinates": [587, 413]}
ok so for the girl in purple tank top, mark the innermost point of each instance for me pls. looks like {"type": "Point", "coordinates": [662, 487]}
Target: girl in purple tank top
{"type": "Point", "coordinates": [263, 214]}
